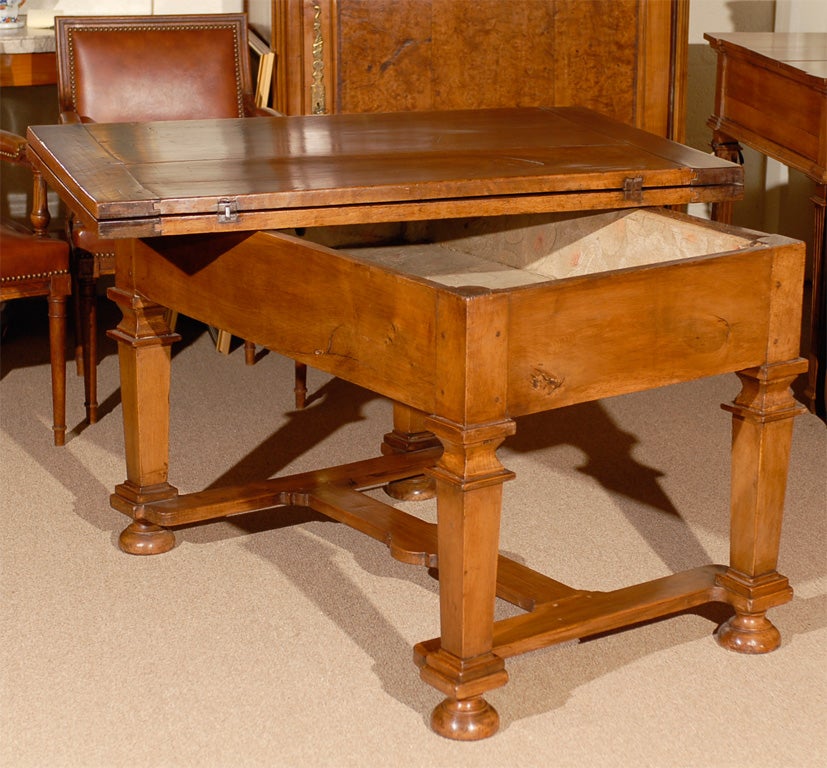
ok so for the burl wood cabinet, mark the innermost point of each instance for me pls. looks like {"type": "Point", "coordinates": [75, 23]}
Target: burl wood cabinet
{"type": "Point", "coordinates": [625, 58]}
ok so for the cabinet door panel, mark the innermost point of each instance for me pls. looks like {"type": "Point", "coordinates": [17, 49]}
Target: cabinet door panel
{"type": "Point", "coordinates": [625, 58]}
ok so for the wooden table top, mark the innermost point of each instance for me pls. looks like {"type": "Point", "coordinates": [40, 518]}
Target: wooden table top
{"type": "Point", "coordinates": [804, 52]}
{"type": "Point", "coordinates": [136, 180]}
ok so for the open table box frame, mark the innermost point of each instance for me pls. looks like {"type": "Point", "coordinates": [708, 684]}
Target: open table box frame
{"type": "Point", "coordinates": [465, 323]}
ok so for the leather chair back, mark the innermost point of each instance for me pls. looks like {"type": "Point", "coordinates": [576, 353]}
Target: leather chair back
{"type": "Point", "coordinates": [143, 68]}
{"type": "Point", "coordinates": [137, 69]}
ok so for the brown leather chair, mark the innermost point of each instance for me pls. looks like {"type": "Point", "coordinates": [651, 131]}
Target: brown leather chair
{"type": "Point", "coordinates": [32, 264]}
{"type": "Point", "coordinates": [142, 68]}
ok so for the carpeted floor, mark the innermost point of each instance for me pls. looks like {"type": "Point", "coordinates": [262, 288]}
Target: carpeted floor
{"type": "Point", "coordinates": [280, 639]}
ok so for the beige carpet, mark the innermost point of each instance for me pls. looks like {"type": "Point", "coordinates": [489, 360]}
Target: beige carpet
{"type": "Point", "coordinates": [280, 639]}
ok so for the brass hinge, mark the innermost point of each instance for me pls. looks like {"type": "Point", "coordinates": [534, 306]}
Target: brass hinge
{"type": "Point", "coordinates": [633, 189]}
{"type": "Point", "coordinates": [227, 211]}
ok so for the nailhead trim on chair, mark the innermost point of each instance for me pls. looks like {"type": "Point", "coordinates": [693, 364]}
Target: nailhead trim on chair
{"type": "Point", "coordinates": [34, 275]}
{"type": "Point", "coordinates": [154, 28]}
{"type": "Point", "coordinates": [18, 156]}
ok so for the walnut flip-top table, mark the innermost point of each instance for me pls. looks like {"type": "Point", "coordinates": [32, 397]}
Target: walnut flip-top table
{"type": "Point", "coordinates": [526, 271]}
{"type": "Point", "coordinates": [771, 94]}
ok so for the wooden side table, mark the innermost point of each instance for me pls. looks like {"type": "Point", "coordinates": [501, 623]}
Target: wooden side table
{"type": "Point", "coordinates": [27, 57]}
{"type": "Point", "coordinates": [771, 95]}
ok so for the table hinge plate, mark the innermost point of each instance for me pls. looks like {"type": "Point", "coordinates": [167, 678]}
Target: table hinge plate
{"type": "Point", "coordinates": [227, 211]}
{"type": "Point", "coordinates": [633, 189]}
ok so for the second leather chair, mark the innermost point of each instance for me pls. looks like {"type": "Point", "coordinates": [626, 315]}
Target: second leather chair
{"type": "Point", "coordinates": [136, 69]}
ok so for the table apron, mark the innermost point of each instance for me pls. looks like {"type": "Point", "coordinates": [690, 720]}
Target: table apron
{"type": "Point", "coordinates": [566, 341]}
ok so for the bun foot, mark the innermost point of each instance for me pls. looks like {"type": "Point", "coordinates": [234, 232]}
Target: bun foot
{"type": "Point", "coordinates": [749, 633]}
{"type": "Point", "coordinates": [140, 538]}
{"type": "Point", "coordinates": [465, 720]}
{"type": "Point", "coordinates": [417, 488]}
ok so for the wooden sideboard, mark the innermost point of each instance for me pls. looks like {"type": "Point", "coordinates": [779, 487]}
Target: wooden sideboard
{"type": "Point", "coordinates": [624, 58]}
{"type": "Point", "coordinates": [27, 57]}
{"type": "Point", "coordinates": [771, 94]}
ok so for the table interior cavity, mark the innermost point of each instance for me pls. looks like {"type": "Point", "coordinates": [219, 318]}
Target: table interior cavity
{"type": "Point", "coordinates": [508, 251]}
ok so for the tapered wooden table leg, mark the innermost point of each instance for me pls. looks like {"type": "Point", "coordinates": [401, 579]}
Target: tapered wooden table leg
{"type": "Point", "coordinates": [469, 480]}
{"type": "Point", "coordinates": [409, 434]}
{"type": "Point", "coordinates": [144, 341]}
{"type": "Point", "coordinates": [761, 437]}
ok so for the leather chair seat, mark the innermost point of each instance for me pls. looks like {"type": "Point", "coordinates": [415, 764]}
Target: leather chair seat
{"type": "Point", "coordinates": [33, 264]}
{"type": "Point", "coordinates": [24, 257]}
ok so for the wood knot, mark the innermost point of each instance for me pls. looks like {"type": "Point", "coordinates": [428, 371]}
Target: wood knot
{"type": "Point", "coordinates": [545, 382]}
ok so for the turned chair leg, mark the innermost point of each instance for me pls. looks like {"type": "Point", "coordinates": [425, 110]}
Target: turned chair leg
{"type": "Point", "coordinates": [89, 332]}
{"type": "Point", "coordinates": [57, 355]}
{"type": "Point", "coordinates": [78, 320]}
{"type": "Point", "coordinates": [300, 388]}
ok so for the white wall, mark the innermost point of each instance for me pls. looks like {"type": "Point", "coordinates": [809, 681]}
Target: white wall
{"type": "Point", "coordinates": [131, 7]}
{"type": "Point", "coordinates": [801, 16]}
{"type": "Point", "coordinates": [259, 14]}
